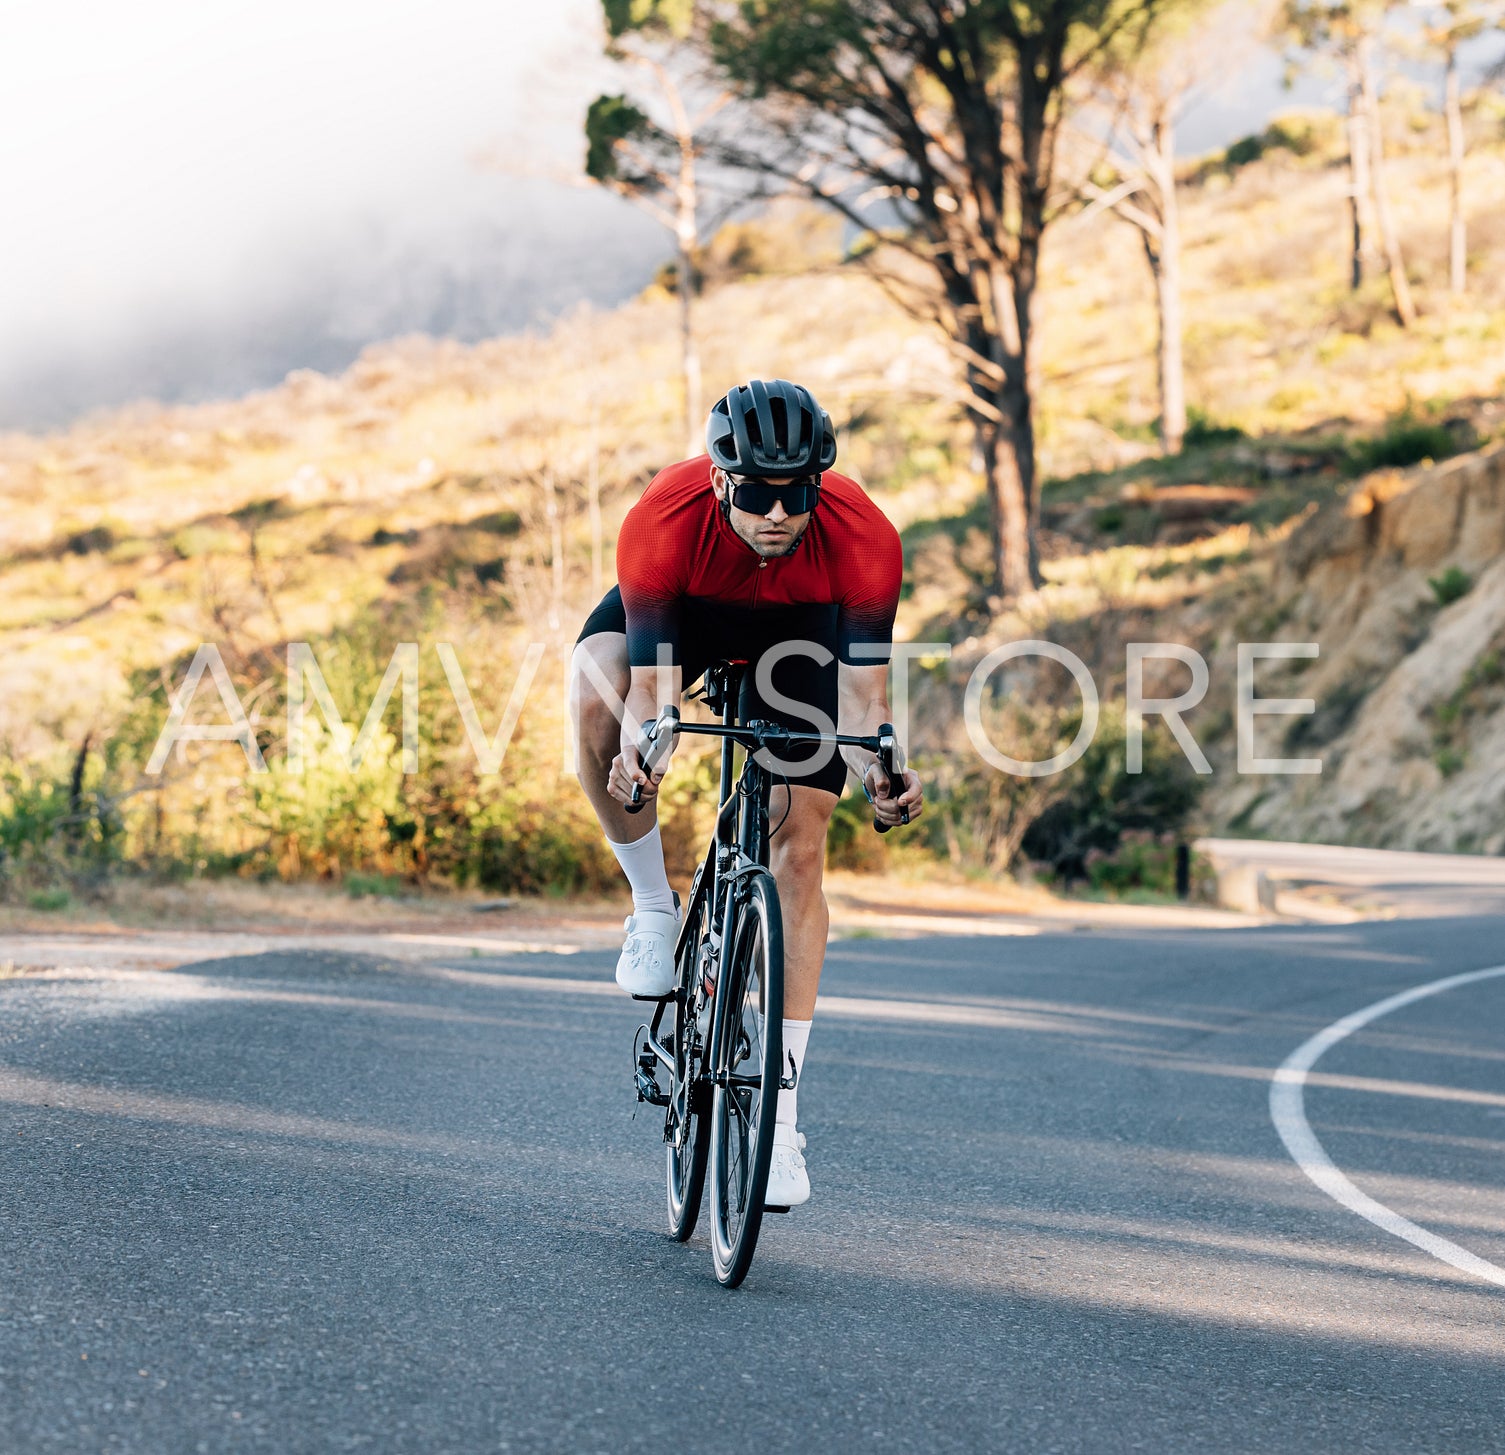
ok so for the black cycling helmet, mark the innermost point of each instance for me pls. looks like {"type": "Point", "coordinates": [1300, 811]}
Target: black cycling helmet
{"type": "Point", "coordinates": [767, 430]}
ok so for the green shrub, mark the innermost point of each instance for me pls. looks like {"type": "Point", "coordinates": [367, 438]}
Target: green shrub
{"type": "Point", "coordinates": [1143, 863]}
{"type": "Point", "coordinates": [1245, 150]}
{"type": "Point", "coordinates": [258, 512]}
{"type": "Point", "coordinates": [86, 542]}
{"type": "Point", "coordinates": [498, 523]}
{"type": "Point", "coordinates": [1488, 671]}
{"type": "Point", "coordinates": [1406, 443]}
{"type": "Point", "coordinates": [1301, 132]}
{"type": "Point", "coordinates": [1476, 696]}
{"type": "Point", "coordinates": [1202, 429]}
{"type": "Point", "coordinates": [1454, 584]}
{"type": "Point", "coordinates": [378, 886]}
{"type": "Point", "coordinates": [1304, 132]}
{"type": "Point", "coordinates": [381, 536]}
{"type": "Point", "coordinates": [50, 900]}
{"type": "Point", "coordinates": [127, 552]}
{"type": "Point", "coordinates": [1100, 800]}
{"type": "Point", "coordinates": [851, 842]}
{"type": "Point", "coordinates": [45, 832]}
{"type": "Point", "coordinates": [194, 541]}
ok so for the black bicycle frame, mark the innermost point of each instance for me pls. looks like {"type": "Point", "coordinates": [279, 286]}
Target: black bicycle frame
{"type": "Point", "coordinates": [741, 840]}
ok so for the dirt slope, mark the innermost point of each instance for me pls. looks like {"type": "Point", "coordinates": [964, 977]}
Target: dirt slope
{"type": "Point", "coordinates": [1410, 684]}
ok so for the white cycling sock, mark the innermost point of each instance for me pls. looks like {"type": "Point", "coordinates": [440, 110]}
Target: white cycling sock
{"type": "Point", "coordinates": [642, 862]}
{"type": "Point", "coordinates": [796, 1037]}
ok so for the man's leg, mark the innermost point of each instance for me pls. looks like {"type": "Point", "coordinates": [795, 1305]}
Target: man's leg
{"type": "Point", "coordinates": [599, 676]}
{"type": "Point", "coordinates": [798, 861]}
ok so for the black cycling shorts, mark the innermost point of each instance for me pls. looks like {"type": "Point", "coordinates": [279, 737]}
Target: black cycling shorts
{"type": "Point", "coordinates": [712, 632]}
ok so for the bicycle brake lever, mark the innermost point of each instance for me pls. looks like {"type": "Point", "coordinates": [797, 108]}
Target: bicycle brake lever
{"type": "Point", "coordinates": [653, 742]}
{"type": "Point", "coordinates": [891, 761]}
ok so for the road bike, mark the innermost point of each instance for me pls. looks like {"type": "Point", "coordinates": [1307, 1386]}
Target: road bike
{"type": "Point", "coordinates": [717, 1036]}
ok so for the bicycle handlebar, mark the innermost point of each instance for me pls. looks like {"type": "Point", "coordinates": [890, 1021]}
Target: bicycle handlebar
{"type": "Point", "coordinates": [654, 739]}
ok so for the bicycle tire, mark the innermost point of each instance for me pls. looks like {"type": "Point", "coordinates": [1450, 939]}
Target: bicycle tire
{"type": "Point", "coordinates": [687, 1127]}
{"type": "Point", "coordinates": [748, 1040]}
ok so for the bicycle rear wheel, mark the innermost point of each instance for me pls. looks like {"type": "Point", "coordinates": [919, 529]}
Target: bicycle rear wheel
{"type": "Point", "coordinates": [748, 1046]}
{"type": "Point", "coordinates": [686, 1126]}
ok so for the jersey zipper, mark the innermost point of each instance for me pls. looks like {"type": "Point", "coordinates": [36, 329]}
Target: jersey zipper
{"type": "Point", "coordinates": [757, 579]}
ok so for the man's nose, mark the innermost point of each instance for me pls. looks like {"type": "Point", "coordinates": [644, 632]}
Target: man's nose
{"type": "Point", "coordinates": [777, 512]}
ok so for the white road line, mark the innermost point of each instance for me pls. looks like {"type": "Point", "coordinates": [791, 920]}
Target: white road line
{"type": "Point", "coordinates": [1288, 1111]}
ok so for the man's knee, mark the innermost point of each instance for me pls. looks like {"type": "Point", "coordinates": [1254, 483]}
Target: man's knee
{"type": "Point", "coordinates": [598, 684]}
{"type": "Point", "coordinates": [799, 847]}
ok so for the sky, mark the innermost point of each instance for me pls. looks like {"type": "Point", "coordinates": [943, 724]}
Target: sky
{"type": "Point", "coordinates": [199, 197]}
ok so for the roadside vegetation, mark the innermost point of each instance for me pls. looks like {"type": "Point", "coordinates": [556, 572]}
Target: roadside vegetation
{"type": "Point", "coordinates": [436, 493]}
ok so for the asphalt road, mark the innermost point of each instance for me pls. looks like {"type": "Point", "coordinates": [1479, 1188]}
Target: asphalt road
{"type": "Point", "coordinates": [312, 1202]}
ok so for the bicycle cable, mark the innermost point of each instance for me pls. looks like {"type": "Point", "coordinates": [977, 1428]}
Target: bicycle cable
{"type": "Point", "coordinates": [788, 803]}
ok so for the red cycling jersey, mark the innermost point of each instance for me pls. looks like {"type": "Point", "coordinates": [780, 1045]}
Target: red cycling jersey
{"type": "Point", "coordinates": [677, 546]}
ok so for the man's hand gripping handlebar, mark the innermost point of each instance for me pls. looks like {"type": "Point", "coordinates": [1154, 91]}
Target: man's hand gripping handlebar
{"type": "Point", "coordinates": [891, 765]}
{"type": "Point", "coordinates": [655, 740]}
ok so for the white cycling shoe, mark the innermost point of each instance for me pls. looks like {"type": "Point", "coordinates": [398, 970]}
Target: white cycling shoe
{"type": "Point", "coordinates": [645, 968]}
{"type": "Point", "coordinates": [788, 1182]}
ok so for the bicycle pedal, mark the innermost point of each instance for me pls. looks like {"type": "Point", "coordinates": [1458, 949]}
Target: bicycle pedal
{"type": "Point", "coordinates": [655, 999]}
{"type": "Point", "coordinates": [644, 1073]}
{"type": "Point", "coordinates": [648, 1090]}
{"type": "Point", "coordinates": [774, 1207]}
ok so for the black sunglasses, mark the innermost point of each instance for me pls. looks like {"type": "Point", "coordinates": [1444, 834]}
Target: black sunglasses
{"type": "Point", "coordinates": [757, 497]}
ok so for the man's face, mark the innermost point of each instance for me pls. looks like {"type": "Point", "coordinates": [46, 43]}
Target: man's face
{"type": "Point", "coordinates": [769, 535]}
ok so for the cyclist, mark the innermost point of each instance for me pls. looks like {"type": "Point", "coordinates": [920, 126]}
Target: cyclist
{"type": "Point", "coordinates": [759, 551]}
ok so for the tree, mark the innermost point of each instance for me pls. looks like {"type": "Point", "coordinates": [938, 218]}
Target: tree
{"type": "Point", "coordinates": [654, 164]}
{"type": "Point", "coordinates": [1448, 26]}
{"type": "Point", "coordinates": [947, 113]}
{"type": "Point", "coordinates": [1143, 95]}
{"type": "Point", "coordinates": [1347, 30]}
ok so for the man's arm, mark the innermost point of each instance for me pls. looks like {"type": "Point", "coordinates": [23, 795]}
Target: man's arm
{"type": "Point", "coordinates": [649, 574]}
{"type": "Point", "coordinates": [862, 709]}
{"type": "Point", "coordinates": [651, 690]}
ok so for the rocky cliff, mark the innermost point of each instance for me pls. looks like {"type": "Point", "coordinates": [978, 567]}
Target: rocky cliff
{"type": "Point", "coordinates": [1402, 585]}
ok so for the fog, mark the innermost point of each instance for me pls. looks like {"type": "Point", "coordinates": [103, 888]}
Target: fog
{"type": "Point", "coordinates": [200, 198]}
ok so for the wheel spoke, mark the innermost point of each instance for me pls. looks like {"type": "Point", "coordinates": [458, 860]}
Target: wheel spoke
{"type": "Point", "coordinates": [687, 1126]}
{"type": "Point", "coordinates": [746, 1080]}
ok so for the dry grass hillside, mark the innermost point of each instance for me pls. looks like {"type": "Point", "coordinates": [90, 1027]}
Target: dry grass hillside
{"type": "Point", "coordinates": [436, 492]}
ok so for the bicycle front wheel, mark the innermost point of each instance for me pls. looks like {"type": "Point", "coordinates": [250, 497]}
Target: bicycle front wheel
{"type": "Point", "coordinates": [686, 1128]}
{"type": "Point", "coordinates": [748, 1046]}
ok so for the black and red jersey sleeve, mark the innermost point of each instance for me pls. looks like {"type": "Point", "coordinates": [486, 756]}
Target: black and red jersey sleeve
{"type": "Point", "coordinates": [650, 573]}
{"type": "Point", "coordinates": [868, 573]}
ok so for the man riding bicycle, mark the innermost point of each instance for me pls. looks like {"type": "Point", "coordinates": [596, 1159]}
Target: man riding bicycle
{"type": "Point", "coordinates": [757, 551]}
